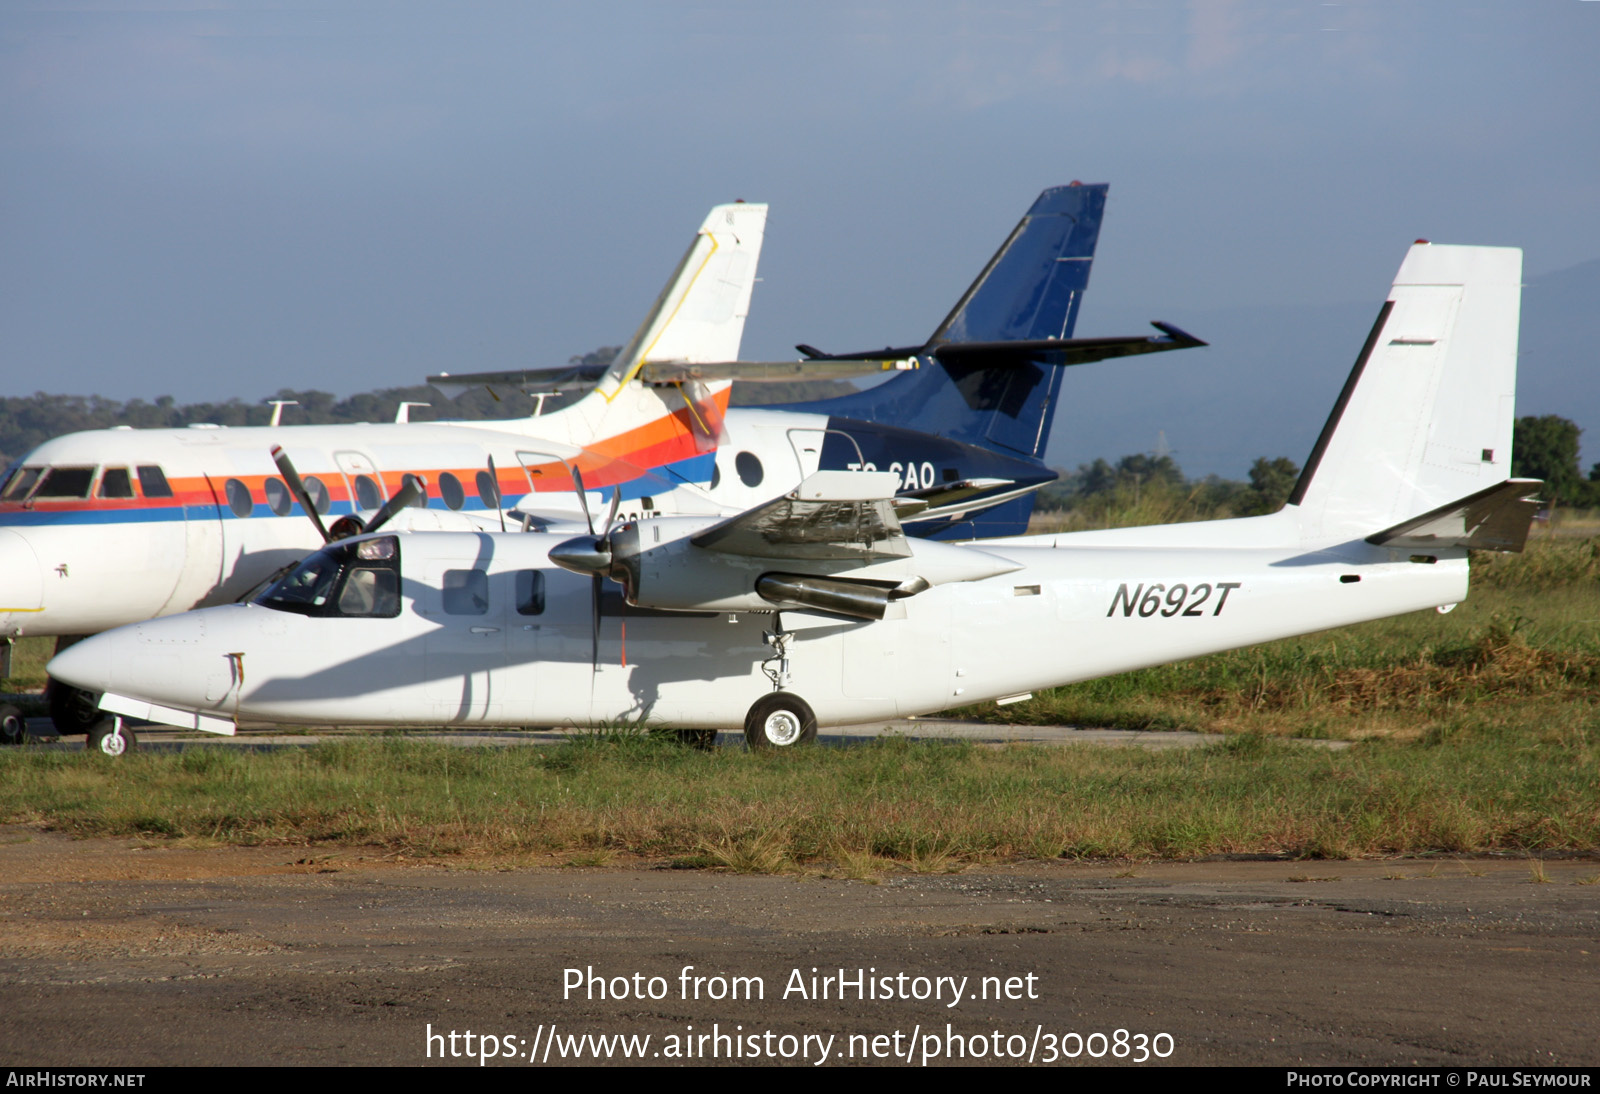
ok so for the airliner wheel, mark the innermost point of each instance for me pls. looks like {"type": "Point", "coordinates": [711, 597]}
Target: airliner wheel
{"type": "Point", "coordinates": [110, 737]}
{"type": "Point", "coordinates": [13, 730]}
{"type": "Point", "coordinates": [780, 720]}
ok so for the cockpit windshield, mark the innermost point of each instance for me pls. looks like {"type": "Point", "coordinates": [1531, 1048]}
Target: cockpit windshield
{"type": "Point", "coordinates": [342, 579]}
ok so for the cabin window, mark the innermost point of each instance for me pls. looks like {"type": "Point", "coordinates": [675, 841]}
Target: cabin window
{"type": "Point", "coordinates": [239, 499]}
{"type": "Point", "coordinates": [115, 482]}
{"type": "Point", "coordinates": [153, 483]}
{"type": "Point", "coordinates": [748, 465]}
{"type": "Point", "coordinates": [278, 497]}
{"type": "Point", "coordinates": [466, 592]}
{"type": "Point", "coordinates": [368, 496]}
{"type": "Point", "coordinates": [530, 592]}
{"type": "Point", "coordinates": [422, 489]}
{"type": "Point", "coordinates": [318, 493]}
{"type": "Point", "coordinates": [20, 482]}
{"type": "Point", "coordinates": [65, 482]}
{"type": "Point", "coordinates": [450, 490]}
{"type": "Point", "coordinates": [488, 490]}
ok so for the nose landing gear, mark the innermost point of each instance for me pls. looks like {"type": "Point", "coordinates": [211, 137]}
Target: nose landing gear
{"type": "Point", "coordinates": [110, 737]}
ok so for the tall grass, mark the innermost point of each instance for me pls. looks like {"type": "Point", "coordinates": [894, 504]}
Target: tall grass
{"type": "Point", "coordinates": [1473, 786]}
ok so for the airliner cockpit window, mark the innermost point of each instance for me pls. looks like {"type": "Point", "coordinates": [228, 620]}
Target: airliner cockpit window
{"type": "Point", "coordinates": [20, 482]}
{"type": "Point", "coordinates": [343, 579]}
{"type": "Point", "coordinates": [65, 482]}
{"type": "Point", "coordinates": [153, 483]}
{"type": "Point", "coordinates": [116, 483]}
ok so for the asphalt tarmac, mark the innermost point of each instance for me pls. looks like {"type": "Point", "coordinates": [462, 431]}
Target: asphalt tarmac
{"type": "Point", "coordinates": [126, 954]}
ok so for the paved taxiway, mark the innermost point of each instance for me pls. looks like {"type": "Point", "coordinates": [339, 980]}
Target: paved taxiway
{"type": "Point", "coordinates": [114, 952]}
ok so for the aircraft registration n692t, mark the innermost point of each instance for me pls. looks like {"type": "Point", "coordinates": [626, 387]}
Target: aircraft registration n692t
{"type": "Point", "coordinates": [816, 608]}
{"type": "Point", "coordinates": [202, 516]}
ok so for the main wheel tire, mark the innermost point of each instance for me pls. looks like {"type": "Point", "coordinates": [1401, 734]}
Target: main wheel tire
{"type": "Point", "coordinates": [779, 720]}
{"type": "Point", "coordinates": [73, 710]}
{"type": "Point", "coordinates": [13, 729]}
{"type": "Point", "coordinates": [110, 737]}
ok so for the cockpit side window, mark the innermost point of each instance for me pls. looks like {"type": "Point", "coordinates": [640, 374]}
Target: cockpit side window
{"type": "Point", "coordinates": [65, 482]}
{"type": "Point", "coordinates": [116, 483]}
{"type": "Point", "coordinates": [153, 483]}
{"type": "Point", "coordinates": [349, 579]}
{"type": "Point", "coordinates": [20, 482]}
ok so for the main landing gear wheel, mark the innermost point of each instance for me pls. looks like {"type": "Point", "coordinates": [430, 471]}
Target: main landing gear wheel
{"type": "Point", "coordinates": [13, 730]}
{"type": "Point", "coordinates": [110, 737]}
{"type": "Point", "coordinates": [779, 720]}
{"type": "Point", "coordinates": [73, 710]}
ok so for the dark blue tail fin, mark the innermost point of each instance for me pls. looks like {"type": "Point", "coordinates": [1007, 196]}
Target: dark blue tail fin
{"type": "Point", "coordinates": [1029, 291]}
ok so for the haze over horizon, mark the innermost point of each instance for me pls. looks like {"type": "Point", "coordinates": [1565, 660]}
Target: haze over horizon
{"type": "Point", "coordinates": [225, 200]}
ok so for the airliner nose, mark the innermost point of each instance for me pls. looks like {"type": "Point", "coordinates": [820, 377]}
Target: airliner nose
{"type": "Point", "coordinates": [85, 664]}
{"type": "Point", "coordinates": [21, 583]}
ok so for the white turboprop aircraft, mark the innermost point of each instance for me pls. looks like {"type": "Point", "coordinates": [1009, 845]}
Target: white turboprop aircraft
{"type": "Point", "coordinates": [204, 515]}
{"type": "Point", "coordinates": [815, 607]}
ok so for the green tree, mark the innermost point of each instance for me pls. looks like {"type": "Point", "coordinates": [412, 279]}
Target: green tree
{"type": "Point", "coordinates": [1547, 448]}
{"type": "Point", "coordinates": [1271, 482]}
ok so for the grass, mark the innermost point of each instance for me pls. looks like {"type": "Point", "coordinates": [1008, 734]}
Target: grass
{"type": "Point", "coordinates": [925, 807]}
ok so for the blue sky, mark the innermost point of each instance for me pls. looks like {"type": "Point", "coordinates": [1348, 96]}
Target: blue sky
{"type": "Point", "coordinates": [222, 199]}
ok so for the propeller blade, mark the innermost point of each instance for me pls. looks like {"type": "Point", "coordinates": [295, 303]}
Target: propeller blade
{"type": "Point", "coordinates": [494, 477]}
{"type": "Point", "coordinates": [594, 630]}
{"type": "Point", "coordinates": [611, 516]}
{"type": "Point", "coordinates": [403, 497]}
{"type": "Point", "coordinates": [298, 489]}
{"type": "Point", "coordinates": [583, 497]}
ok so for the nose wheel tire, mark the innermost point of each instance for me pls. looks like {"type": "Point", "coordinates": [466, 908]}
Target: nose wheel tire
{"type": "Point", "coordinates": [111, 738]}
{"type": "Point", "coordinates": [13, 730]}
{"type": "Point", "coordinates": [779, 721]}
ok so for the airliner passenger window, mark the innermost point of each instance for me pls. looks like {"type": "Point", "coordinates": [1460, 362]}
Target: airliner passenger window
{"type": "Point", "coordinates": [368, 496]}
{"type": "Point", "coordinates": [530, 592]}
{"type": "Point", "coordinates": [417, 481]}
{"type": "Point", "coordinates": [65, 482]}
{"type": "Point", "coordinates": [153, 484]}
{"type": "Point", "coordinates": [466, 592]}
{"type": "Point", "coordinates": [116, 483]}
{"type": "Point", "coordinates": [278, 497]}
{"type": "Point", "coordinates": [238, 498]}
{"type": "Point", "coordinates": [450, 490]}
{"type": "Point", "coordinates": [318, 493]}
{"type": "Point", "coordinates": [488, 491]}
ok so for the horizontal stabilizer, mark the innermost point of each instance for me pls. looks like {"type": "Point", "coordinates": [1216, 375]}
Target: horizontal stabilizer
{"type": "Point", "coordinates": [677, 372]}
{"type": "Point", "coordinates": [1496, 519]}
{"type": "Point", "coordinates": [1044, 351]}
{"type": "Point", "coordinates": [526, 380]}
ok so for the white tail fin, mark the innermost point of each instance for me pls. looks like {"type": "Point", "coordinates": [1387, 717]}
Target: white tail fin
{"type": "Point", "coordinates": [1425, 418]}
{"type": "Point", "coordinates": [700, 315]}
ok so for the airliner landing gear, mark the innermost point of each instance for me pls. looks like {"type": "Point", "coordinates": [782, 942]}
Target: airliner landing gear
{"type": "Point", "coordinates": [72, 710]}
{"type": "Point", "coordinates": [110, 737]}
{"type": "Point", "coordinates": [13, 730]}
{"type": "Point", "coordinates": [780, 720]}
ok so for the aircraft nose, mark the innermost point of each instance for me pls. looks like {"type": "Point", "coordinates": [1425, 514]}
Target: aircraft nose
{"type": "Point", "coordinates": [21, 583]}
{"type": "Point", "coordinates": [86, 664]}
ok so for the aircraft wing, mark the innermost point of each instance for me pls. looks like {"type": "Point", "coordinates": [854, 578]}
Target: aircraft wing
{"type": "Point", "coordinates": [1495, 519]}
{"type": "Point", "coordinates": [831, 515]}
